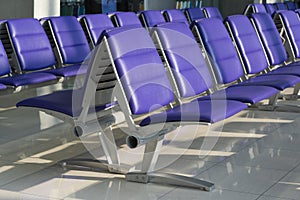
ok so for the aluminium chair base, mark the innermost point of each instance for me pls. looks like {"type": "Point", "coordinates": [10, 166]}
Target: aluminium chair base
{"type": "Point", "coordinates": [169, 179]}
{"type": "Point", "coordinates": [95, 165]}
{"type": "Point", "coordinates": [139, 177]}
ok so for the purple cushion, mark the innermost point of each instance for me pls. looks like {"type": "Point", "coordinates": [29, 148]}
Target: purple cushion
{"type": "Point", "coordinates": [28, 79]}
{"type": "Point", "coordinates": [71, 39]}
{"type": "Point", "coordinates": [289, 69]}
{"type": "Point", "coordinates": [194, 13]}
{"type": "Point", "coordinates": [208, 111]}
{"type": "Point", "coordinates": [279, 82]}
{"type": "Point", "coordinates": [248, 43]}
{"type": "Point", "coordinates": [175, 15]}
{"type": "Point", "coordinates": [140, 69]}
{"type": "Point", "coordinates": [291, 24]}
{"type": "Point", "coordinates": [128, 19]}
{"type": "Point", "coordinates": [245, 93]}
{"type": "Point", "coordinates": [185, 59]}
{"type": "Point", "coordinates": [61, 101]}
{"type": "Point", "coordinates": [4, 63]}
{"type": "Point", "coordinates": [212, 12]}
{"type": "Point", "coordinates": [31, 44]}
{"type": "Point", "coordinates": [270, 38]}
{"type": "Point", "coordinates": [69, 71]}
{"type": "Point", "coordinates": [153, 17]}
{"type": "Point", "coordinates": [2, 86]}
{"type": "Point", "coordinates": [97, 23]}
{"type": "Point", "coordinates": [216, 39]}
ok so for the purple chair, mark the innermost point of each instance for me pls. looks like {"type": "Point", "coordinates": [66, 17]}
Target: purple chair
{"type": "Point", "coordinates": [191, 73]}
{"type": "Point", "coordinates": [143, 87]}
{"type": "Point", "coordinates": [71, 45]}
{"type": "Point", "coordinates": [253, 56]}
{"type": "Point", "coordinates": [290, 5]}
{"type": "Point", "coordinates": [193, 14]}
{"type": "Point", "coordinates": [275, 50]}
{"type": "Point", "coordinates": [212, 12]}
{"type": "Point", "coordinates": [32, 52]}
{"type": "Point", "coordinates": [227, 65]}
{"type": "Point", "coordinates": [254, 8]}
{"type": "Point", "coordinates": [270, 8]}
{"type": "Point", "coordinates": [94, 25]}
{"type": "Point", "coordinates": [127, 19]}
{"type": "Point", "coordinates": [175, 15]}
{"type": "Point", "coordinates": [150, 18]}
{"type": "Point", "coordinates": [280, 6]}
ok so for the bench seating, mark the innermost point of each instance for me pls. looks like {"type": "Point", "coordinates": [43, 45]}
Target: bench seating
{"type": "Point", "coordinates": [216, 40]}
{"type": "Point", "coordinates": [33, 56]}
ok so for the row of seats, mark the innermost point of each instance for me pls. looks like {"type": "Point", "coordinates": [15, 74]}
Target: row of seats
{"type": "Point", "coordinates": [243, 63]}
{"type": "Point", "coordinates": [270, 8]}
{"type": "Point", "coordinates": [31, 57]}
{"type": "Point", "coordinates": [41, 52]}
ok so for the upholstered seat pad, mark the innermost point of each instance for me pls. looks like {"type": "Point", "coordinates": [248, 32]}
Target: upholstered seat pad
{"type": "Point", "coordinates": [2, 86]}
{"type": "Point", "coordinates": [293, 69]}
{"type": "Point", "coordinates": [69, 71]}
{"type": "Point", "coordinates": [202, 110]}
{"type": "Point", "coordinates": [279, 82]}
{"type": "Point", "coordinates": [61, 101]}
{"type": "Point", "coordinates": [246, 93]}
{"type": "Point", "coordinates": [27, 79]}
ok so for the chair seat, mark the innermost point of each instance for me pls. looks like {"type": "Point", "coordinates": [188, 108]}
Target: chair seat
{"type": "Point", "coordinates": [279, 82]}
{"type": "Point", "coordinates": [2, 86]}
{"type": "Point", "coordinates": [28, 79]}
{"type": "Point", "coordinates": [201, 110]}
{"type": "Point", "coordinates": [246, 93]}
{"type": "Point", "coordinates": [69, 71]}
{"type": "Point", "coordinates": [292, 69]}
{"type": "Point", "coordinates": [61, 101]}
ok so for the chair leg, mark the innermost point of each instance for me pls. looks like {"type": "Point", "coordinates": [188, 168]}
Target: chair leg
{"type": "Point", "coordinates": [147, 175]}
{"type": "Point", "coordinates": [110, 149]}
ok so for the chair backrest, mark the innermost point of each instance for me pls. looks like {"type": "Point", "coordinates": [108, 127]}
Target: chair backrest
{"type": "Point", "coordinates": [4, 63]}
{"type": "Point", "coordinates": [270, 38]}
{"type": "Point", "coordinates": [291, 26]}
{"type": "Point", "coordinates": [185, 59]}
{"type": "Point", "coordinates": [30, 44]}
{"type": "Point", "coordinates": [175, 15]}
{"type": "Point", "coordinates": [290, 5]}
{"type": "Point", "coordinates": [127, 19]}
{"type": "Point", "coordinates": [139, 69]}
{"type": "Point", "coordinates": [95, 24]}
{"type": "Point", "coordinates": [150, 18]}
{"type": "Point", "coordinates": [212, 12]}
{"type": "Point", "coordinates": [280, 6]}
{"type": "Point", "coordinates": [193, 14]}
{"type": "Point", "coordinates": [247, 43]}
{"type": "Point", "coordinates": [217, 42]}
{"type": "Point", "coordinates": [72, 44]}
{"type": "Point", "coordinates": [254, 8]}
{"type": "Point", "coordinates": [270, 8]}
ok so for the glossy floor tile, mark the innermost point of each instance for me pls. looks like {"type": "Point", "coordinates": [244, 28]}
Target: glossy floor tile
{"type": "Point", "coordinates": [254, 155]}
{"type": "Point", "coordinates": [288, 187]}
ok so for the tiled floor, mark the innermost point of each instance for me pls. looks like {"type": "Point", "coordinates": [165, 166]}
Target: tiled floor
{"type": "Point", "coordinates": [255, 157]}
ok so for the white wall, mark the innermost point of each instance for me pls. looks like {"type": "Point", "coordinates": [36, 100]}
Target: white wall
{"type": "Point", "coordinates": [45, 8]}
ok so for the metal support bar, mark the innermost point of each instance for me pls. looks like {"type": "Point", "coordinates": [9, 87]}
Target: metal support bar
{"type": "Point", "coordinates": [151, 153]}
{"type": "Point", "coordinates": [169, 179]}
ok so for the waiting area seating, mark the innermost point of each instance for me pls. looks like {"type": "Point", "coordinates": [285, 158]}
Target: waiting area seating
{"type": "Point", "coordinates": [160, 70]}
